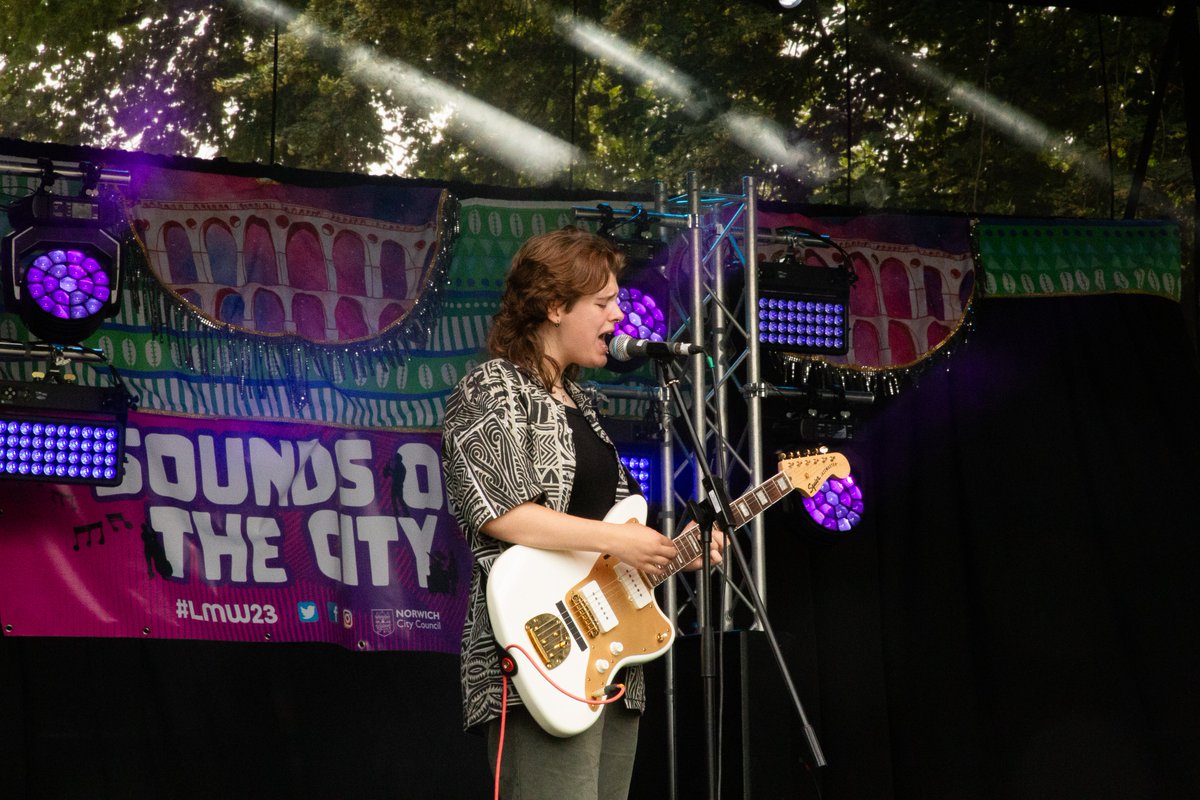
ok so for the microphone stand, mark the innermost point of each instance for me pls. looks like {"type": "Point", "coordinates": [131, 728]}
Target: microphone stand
{"type": "Point", "coordinates": [705, 513]}
{"type": "Point", "coordinates": [714, 508]}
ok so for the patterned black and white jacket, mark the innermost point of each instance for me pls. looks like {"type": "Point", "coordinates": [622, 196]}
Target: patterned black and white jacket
{"type": "Point", "coordinates": [506, 441]}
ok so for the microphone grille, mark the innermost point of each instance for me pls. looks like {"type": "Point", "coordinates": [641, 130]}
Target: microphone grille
{"type": "Point", "coordinates": [618, 347]}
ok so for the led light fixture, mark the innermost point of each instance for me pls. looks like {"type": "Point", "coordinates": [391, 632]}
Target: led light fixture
{"type": "Point", "coordinates": [641, 467]}
{"type": "Point", "coordinates": [643, 288]}
{"type": "Point", "coordinates": [62, 432]}
{"type": "Point", "coordinates": [643, 295]}
{"type": "Point", "coordinates": [644, 314]}
{"type": "Point", "coordinates": [61, 270]}
{"type": "Point", "coordinates": [803, 309]}
{"type": "Point", "coordinates": [837, 506]}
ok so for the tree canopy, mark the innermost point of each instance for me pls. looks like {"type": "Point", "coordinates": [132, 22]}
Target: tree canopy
{"type": "Point", "coordinates": [971, 106]}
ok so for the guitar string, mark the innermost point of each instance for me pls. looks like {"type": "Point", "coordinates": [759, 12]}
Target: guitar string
{"type": "Point", "coordinates": [772, 490]}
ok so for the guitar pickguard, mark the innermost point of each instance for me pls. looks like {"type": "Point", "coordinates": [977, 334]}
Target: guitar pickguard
{"type": "Point", "coordinates": [641, 632]}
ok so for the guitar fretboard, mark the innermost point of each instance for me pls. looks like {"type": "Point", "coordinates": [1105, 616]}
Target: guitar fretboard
{"type": "Point", "coordinates": [743, 509]}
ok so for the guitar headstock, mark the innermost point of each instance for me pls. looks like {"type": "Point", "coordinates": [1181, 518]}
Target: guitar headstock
{"type": "Point", "coordinates": [808, 470]}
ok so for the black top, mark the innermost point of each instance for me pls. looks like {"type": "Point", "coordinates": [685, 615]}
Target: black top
{"type": "Point", "coordinates": [594, 489]}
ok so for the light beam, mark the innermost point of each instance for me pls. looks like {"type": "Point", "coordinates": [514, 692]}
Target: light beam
{"type": "Point", "coordinates": [515, 143]}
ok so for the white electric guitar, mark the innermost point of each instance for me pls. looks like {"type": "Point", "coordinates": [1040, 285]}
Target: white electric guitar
{"type": "Point", "coordinates": [583, 617]}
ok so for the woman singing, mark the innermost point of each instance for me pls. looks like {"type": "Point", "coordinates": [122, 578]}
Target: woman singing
{"type": "Point", "coordinates": [527, 462]}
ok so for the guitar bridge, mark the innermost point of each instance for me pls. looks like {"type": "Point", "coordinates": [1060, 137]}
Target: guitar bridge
{"type": "Point", "coordinates": [592, 609]}
{"type": "Point", "coordinates": [587, 620]}
{"type": "Point", "coordinates": [549, 637]}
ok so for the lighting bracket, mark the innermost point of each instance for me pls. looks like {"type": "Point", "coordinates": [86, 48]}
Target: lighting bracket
{"type": "Point", "coordinates": [796, 238]}
{"type": "Point", "coordinates": [818, 410]}
{"type": "Point", "coordinates": [57, 356]}
{"type": "Point", "coordinates": [603, 212]}
{"type": "Point", "coordinates": [89, 173]}
{"type": "Point", "coordinates": [54, 370]}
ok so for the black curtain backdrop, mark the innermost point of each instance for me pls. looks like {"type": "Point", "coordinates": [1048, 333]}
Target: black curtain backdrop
{"type": "Point", "coordinates": [1018, 616]}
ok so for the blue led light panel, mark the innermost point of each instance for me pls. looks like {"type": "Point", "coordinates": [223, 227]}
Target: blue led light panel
{"type": "Point", "coordinates": [791, 322]}
{"type": "Point", "coordinates": [61, 433]}
{"type": "Point", "coordinates": [803, 309]}
{"type": "Point", "coordinates": [48, 449]}
{"type": "Point", "coordinates": [643, 471]}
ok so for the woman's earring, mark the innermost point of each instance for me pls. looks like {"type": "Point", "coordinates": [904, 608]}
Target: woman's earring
{"type": "Point", "coordinates": [556, 324]}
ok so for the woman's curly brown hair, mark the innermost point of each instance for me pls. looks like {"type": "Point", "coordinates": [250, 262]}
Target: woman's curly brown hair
{"type": "Point", "coordinates": [550, 269]}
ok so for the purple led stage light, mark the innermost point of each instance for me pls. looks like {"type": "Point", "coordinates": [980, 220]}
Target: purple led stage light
{"type": "Point", "coordinates": [803, 309]}
{"type": "Point", "coordinates": [60, 270]}
{"type": "Point", "coordinates": [67, 284]}
{"type": "Point", "coordinates": [644, 314]}
{"type": "Point", "coordinates": [642, 470]}
{"type": "Point", "coordinates": [837, 506]}
{"type": "Point", "coordinates": [788, 322]}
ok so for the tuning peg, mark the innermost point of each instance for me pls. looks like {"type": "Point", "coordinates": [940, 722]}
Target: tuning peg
{"type": "Point", "coordinates": [819, 450]}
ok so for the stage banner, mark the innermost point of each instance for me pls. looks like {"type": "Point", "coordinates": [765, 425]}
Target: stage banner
{"type": "Point", "coordinates": [246, 516]}
{"type": "Point", "coordinates": [248, 297]}
{"type": "Point", "coordinates": [267, 531]}
{"type": "Point", "coordinates": [1034, 258]}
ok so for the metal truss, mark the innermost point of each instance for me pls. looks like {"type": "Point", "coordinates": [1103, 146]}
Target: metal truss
{"type": "Point", "coordinates": [723, 397]}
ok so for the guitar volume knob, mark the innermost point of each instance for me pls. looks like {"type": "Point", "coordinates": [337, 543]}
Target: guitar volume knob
{"type": "Point", "coordinates": [602, 665]}
{"type": "Point", "coordinates": [616, 648]}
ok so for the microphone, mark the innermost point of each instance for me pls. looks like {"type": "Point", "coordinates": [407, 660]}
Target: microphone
{"type": "Point", "coordinates": [623, 347]}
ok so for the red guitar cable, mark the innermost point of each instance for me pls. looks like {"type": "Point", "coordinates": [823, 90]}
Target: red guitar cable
{"type": "Point", "coordinates": [503, 722]}
{"type": "Point", "coordinates": [618, 687]}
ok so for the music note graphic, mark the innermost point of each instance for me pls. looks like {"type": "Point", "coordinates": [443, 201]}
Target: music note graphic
{"type": "Point", "coordinates": [92, 526]}
{"type": "Point", "coordinates": [113, 518]}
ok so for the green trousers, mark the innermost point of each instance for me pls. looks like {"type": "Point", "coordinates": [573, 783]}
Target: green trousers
{"type": "Point", "coordinates": [594, 765]}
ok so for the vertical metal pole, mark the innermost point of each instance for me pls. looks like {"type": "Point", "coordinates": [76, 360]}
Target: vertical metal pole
{"type": "Point", "coordinates": [758, 562]}
{"type": "Point", "coordinates": [717, 348]}
{"type": "Point", "coordinates": [698, 367]}
{"type": "Point", "coordinates": [666, 455]}
{"type": "Point", "coordinates": [720, 339]}
{"type": "Point", "coordinates": [671, 598]}
{"type": "Point", "coordinates": [696, 364]}
{"type": "Point", "coordinates": [660, 206]}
